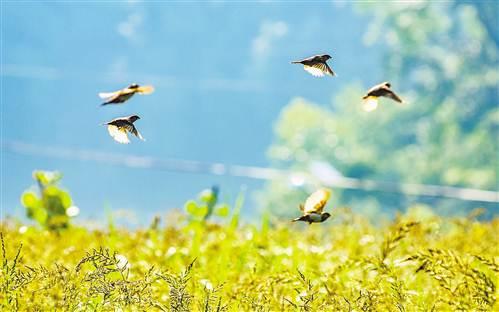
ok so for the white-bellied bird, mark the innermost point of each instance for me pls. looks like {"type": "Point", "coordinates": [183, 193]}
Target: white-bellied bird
{"type": "Point", "coordinates": [314, 206]}
{"type": "Point", "coordinates": [381, 90]}
{"type": "Point", "coordinates": [123, 95]}
{"type": "Point", "coordinates": [317, 65]}
{"type": "Point", "coordinates": [118, 128]}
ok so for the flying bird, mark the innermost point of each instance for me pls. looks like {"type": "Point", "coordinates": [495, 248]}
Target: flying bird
{"type": "Point", "coordinates": [313, 207]}
{"type": "Point", "coordinates": [118, 129]}
{"type": "Point", "coordinates": [380, 90]}
{"type": "Point", "coordinates": [125, 94]}
{"type": "Point", "coordinates": [316, 65]}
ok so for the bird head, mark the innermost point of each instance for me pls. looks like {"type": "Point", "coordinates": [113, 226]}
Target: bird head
{"type": "Point", "coordinates": [133, 118]}
{"type": "Point", "coordinates": [326, 57]}
{"type": "Point", "coordinates": [133, 86]}
{"type": "Point", "coordinates": [388, 85]}
{"type": "Point", "coordinates": [325, 215]}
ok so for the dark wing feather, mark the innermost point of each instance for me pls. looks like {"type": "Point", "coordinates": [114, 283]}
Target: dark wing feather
{"type": "Point", "coordinates": [130, 127]}
{"type": "Point", "coordinates": [308, 60]}
{"type": "Point", "coordinates": [119, 97]}
{"type": "Point", "coordinates": [373, 90]}
{"type": "Point", "coordinates": [118, 122]}
{"type": "Point", "coordinates": [390, 94]}
{"type": "Point", "coordinates": [328, 70]}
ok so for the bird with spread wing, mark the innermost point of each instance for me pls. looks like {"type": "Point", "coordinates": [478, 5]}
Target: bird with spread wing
{"type": "Point", "coordinates": [314, 206]}
{"type": "Point", "coordinates": [118, 129]}
{"type": "Point", "coordinates": [316, 65]}
{"type": "Point", "coordinates": [381, 90]}
{"type": "Point", "coordinates": [123, 95]}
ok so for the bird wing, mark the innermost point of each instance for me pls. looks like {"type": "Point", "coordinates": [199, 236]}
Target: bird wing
{"type": "Point", "coordinates": [373, 89]}
{"type": "Point", "coordinates": [314, 70]}
{"type": "Point", "coordinates": [135, 132]}
{"type": "Point", "coordinates": [119, 96]}
{"type": "Point", "coordinates": [119, 134]}
{"type": "Point", "coordinates": [319, 69]}
{"type": "Point", "coordinates": [328, 70]}
{"type": "Point", "coordinates": [385, 85]}
{"type": "Point", "coordinates": [315, 203]}
{"type": "Point", "coordinates": [145, 89]}
{"type": "Point", "coordinates": [390, 94]}
{"type": "Point", "coordinates": [108, 95]}
{"type": "Point", "coordinates": [306, 60]}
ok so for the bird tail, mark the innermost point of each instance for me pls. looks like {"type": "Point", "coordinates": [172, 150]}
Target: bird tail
{"type": "Point", "coordinates": [145, 90]}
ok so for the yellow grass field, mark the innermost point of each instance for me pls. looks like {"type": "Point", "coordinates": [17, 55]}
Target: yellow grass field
{"type": "Point", "coordinates": [419, 262]}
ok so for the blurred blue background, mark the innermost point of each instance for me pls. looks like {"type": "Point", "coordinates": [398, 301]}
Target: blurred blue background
{"type": "Point", "coordinates": [222, 75]}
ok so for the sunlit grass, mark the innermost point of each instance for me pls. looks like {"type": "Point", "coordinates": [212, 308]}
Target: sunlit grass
{"type": "Point", "coordinates": [418, 262]}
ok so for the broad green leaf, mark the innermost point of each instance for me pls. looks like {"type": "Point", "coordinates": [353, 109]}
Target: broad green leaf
{"type": "Point", "coordinates": [191, 207]}
{"type": "Point", "coordinates": [40, 177]}
{"type": "Point", "coordinates": [201, 211]}
{"type": "Point", "coordinates": [51, 190]}
{"type": "Point", "coordinates": [29, 199]}
{"type": "Point", "coordinates": [65, 199]}
{"type": "Point", "coordinates": [222, 210]}
{"type": "Point", "coordinates": [206, 195]}
{"type": "Point", "coordinates": [39, 214]}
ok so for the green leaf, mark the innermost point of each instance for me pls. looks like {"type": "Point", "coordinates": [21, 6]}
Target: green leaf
{"type": "Point", "coordinates": [51, 190]}
{"type": "Point", "coordinates": [222, 210]}
{"type": "Point", "coordinates": [65, 199]}
{"type": "Point", "coordinates": [29, 199]}
{"type": "Point", "coordinates": [39, 176]}
{"type": "Point", "coordinates": [206, 195]}
{"type": "Point", "coordinates": [201, 211]}
{"type": "Point", "coordinates": [38, 214]}
{"type": "Point", "coordinates": [191, 207]}
{"type": "Point", "coordinates": [47, 177]}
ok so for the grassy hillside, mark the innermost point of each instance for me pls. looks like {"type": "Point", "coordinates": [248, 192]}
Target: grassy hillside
{"type": "Point", "coordinates": [418, 262]}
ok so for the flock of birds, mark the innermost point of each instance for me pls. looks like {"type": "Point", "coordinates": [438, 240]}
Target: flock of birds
{"type": "Point", "coordinates": [119, 127]}
{"type": "Point", "coordinates": [313, 208]}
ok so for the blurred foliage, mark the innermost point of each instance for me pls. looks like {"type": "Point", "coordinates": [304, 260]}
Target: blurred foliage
{"type": "Point", "coordinates": [206, 206]}
{"type": "Point", "coordinates": [442, 58]}
{"type": "Point", "coordinates": [418, 262]}
{"type": "Point", "coordinates": [51, 207]}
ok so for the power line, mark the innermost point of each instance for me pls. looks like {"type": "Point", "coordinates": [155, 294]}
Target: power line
{"type": "Point", "coordinates": [21, 71]}
{"type": "Point", "coordinates": [320, 172]}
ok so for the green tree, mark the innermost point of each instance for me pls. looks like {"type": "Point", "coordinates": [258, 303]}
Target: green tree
{"type": "Point", "coordinates": [443, 58]}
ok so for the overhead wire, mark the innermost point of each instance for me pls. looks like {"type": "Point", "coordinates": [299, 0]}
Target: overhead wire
{"type": "Point", "coordinates": [320, 172]}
